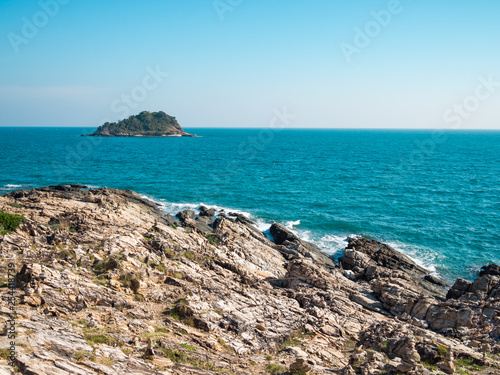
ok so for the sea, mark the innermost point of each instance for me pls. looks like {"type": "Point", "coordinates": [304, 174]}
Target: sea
{"type": "Point", "coordinates": [434, 195]}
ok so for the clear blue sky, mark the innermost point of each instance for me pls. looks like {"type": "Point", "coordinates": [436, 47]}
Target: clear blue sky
{"type": "Point", "coordinates": [234, 66]}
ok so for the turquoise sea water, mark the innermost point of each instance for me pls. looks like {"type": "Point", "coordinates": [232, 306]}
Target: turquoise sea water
{"type": "Point", "coordinates": [434, 196]}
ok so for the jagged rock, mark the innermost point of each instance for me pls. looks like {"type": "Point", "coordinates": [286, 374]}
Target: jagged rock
{"type": "Point", "coordinates": [435, 280]}
{"type": "Point", "coordinates": [460, 287]}
{"type": "Point", "coordinates": [447, 365]}
{"type": "Point", "coordinates": [348, 370]}
{"type": "Point", "coordinates": [354, 259]}
{"type": "Point", "coordinates": [202, 224]}
{"type": "Point", "coordinates": [204, 211]}
{"type": "Point", "coordinates": [239, 218]}
{"type": "Point", "coordinates": [150, 352]}
{"type": "Point", "coordinates": [302, 362]}
{"type": "Point", "coordinates": [410, 356]}
{"type": "Point", "coordinates": [186, 214]}
{"type": "Point", "coordinates": [491, 269]}
{"type": "Point", "coordinates": [385, 255]}
{"type": "Point", "coordinates": [283, 236]}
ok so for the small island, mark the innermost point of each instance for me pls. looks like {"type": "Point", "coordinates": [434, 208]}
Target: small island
{"type": "Point", "coordinates": [145, 124]}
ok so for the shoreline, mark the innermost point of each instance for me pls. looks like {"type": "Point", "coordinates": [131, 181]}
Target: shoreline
{"type": "Point", "coordinates": [264, 225]}
{"type": "Point", "coordinates": [109, 265]}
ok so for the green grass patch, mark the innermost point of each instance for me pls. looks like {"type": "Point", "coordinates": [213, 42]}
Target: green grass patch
{"type": "Point", "coordinates": [66, 254]}
{"type": "Point", "coordinates": [212, 239]}
{"type": "Point", "coordinates": [162, 329]}
{"type": "Point", "coordinates": [4, 354]}
{"type": "Point", "coordinates": [188, 347]}
{"type": "Point", "coordinates": [101, 280]}
{"type": "Point", "coordinates": [468, 363]}
{"type": "Point", "coordinates": [382, 347]}
{"type": "Point", "coordinates": [15, 205]}
{"type": "Point", "coordinates": [273, 368]}
{"type": "Point", "coordinates": [101, 338]}
{"type": "Point", "coordinates": [189, 255]}
{"type": "Point", "coordinates": [81, 356]}
{"type": "Point", "coordinates": [184, 358]}
{"type": "Point", "coordinates": [222, 343]}
{"type": "Point", "coordinates": [161, 268]}
{"type": "Point", "coordinates": [9, 222]}
{"type": "Point", "coordinates": [101, 266]}
{"type": "Point", "coordinates": [178, 275]}
{"type": "Point", "coordinates": [295, 338]}
{"type": "Point", "coordinates": [442, 351]}
{"type": "Point", "coordinates": [180, 311]}
{"type": "Point", "coordinates": [106, 361]}
{"type": "Point", "coordinates": [130, 280]}
{"type": "Point", "coordinates": [95, 336]}
{"type": "Point", "coordinates": [429, 366]}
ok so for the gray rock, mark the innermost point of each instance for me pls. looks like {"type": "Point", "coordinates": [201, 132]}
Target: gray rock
{"type": "Point", "coordinates": [435, 280]}
{"type": "Point", "coordinates": [204, 211]}
{"type": "Point", "coordinates": [186, 214]}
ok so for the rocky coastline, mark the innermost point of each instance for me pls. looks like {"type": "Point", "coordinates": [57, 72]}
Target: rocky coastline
{"type": "Point", "coordinates": [106, 283]}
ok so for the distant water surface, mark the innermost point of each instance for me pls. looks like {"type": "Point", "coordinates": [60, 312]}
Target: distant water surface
{"type": "Point", "coordinates": [435, 198]}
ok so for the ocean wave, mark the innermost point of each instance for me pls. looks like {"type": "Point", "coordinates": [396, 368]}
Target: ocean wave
{"type": "Point", "coordinates": [333, 245]}
{"type": "Point", "coordinates": [423, 257]}
{"type": "Point", "coordinates": [10, 187]}
{"type": "Point", "coordinates": [291, 224]}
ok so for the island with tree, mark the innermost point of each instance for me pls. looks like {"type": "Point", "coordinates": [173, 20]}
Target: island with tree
{"type": "Point", "coordinates": [145, 124]}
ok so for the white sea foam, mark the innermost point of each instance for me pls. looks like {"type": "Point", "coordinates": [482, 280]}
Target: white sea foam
{"type": "Point", "coordinates": [173, 208]}
{"type": "Point", "coordinates": [333, 244]}
{"type": "Point", "coordinates": [291, 224]}
{"type": "Point", "coordinates": [423, 257]}
{"type": "Point", "coordinates": [262, 225]}
{"type": "Point", "coordinates": [11, 187]}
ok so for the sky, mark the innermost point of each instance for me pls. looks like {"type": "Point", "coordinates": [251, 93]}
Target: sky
{"type": "Point", "coordinates": [236, 63]}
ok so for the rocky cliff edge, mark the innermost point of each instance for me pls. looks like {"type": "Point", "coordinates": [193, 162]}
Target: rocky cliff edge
{"type": "Point", "coordinates": [108, 284]}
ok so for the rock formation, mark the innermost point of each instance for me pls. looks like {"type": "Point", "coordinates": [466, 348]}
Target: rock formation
{"type": "Point", "coordinates": [145, 124]}
{"type": "Point", "coordinates": [108, 284]}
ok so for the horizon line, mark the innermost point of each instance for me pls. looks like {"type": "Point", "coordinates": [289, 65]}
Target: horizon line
{"type": "Point", "coordinates": [264, 127]}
